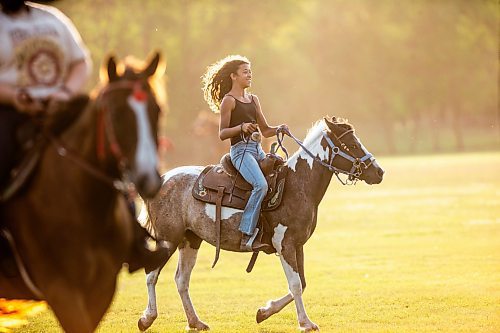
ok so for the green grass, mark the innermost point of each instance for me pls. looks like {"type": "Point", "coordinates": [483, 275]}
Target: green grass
{"type": "Point", "coordinates": [418, 253]}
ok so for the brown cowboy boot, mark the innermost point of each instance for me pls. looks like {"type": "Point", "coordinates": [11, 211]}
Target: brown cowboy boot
{"type": "Point", "coordinates": [253, 243]}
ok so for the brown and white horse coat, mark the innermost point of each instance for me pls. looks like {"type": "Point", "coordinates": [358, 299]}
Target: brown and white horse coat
{"type": "Point", "coordinates": [176, 217]}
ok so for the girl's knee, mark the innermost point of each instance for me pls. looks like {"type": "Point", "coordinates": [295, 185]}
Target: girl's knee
{"type": "Point", "coordinates": [261, 187]}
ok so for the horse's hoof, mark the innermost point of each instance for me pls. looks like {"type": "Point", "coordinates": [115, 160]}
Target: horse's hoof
{"type": "Point", "coordinates": [309, 328]}
{"type": "Point", "coordinates": [142, 327]}
{"type": "Point", "coordinates": [261, 316]}
{"type": "Point", "coordinates": [199, 326]}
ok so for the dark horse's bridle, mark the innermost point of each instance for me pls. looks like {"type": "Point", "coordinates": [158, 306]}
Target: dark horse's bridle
{"type": "Point", "coordinates": [358, 163]}
{"type": "Point", "coordinates": [105, 130]}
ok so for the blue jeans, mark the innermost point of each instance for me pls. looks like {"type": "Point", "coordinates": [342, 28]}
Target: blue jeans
{"type": "Point", "coordinates": [245, 157]}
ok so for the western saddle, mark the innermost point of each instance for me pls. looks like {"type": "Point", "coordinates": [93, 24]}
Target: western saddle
{"type": "Point", "coordinates": [223, 186]}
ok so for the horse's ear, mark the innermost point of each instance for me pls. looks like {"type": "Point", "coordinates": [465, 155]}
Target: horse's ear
{"type": "Point", "coordinates": [330, 123]}
{"type": "Point", "coordinates": [153, 66]}
{"type": "Point", "coordinates": [112, 75]}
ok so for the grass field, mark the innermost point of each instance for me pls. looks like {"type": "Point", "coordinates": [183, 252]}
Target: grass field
{"type": "Point", "coordinates": [418, 253]}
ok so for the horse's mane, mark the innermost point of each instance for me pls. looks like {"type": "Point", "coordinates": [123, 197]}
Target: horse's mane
{"type": "Point", "coordinates": [130, 67]}
{"type": "Point", "coordinates": [315, 131]}
{"type": "Point", "coordinates": [319, 126]}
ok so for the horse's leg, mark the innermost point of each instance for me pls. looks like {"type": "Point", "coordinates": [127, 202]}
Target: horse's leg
{"type": "Point", "coordinates": [188, 251]}
{"type": "Point", "coordinates": [275, 306]}
{"type": "Point", "coordinates": [149, 315]}
{"type": "Point", "coordinates": [290, 265]}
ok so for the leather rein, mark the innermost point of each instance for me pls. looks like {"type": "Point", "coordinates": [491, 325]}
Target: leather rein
{"type": "Point", "coordinates": [105, 130]}
{"type": "Point", "coordinates": [358, 163]}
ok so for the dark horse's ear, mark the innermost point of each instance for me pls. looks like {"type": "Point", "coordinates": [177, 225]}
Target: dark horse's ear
{"type": "Point", "coordinates": [152, 67]}
{"type": "Point", "coordinates": [112, 75]}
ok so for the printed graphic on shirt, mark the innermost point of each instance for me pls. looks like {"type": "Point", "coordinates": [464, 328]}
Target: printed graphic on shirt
{"type": "Point", "coordinates": [39, 62]}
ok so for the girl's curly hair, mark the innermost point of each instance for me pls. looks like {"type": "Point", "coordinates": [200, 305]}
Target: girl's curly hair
{"type": "Point", "coordinates": [217, 79]}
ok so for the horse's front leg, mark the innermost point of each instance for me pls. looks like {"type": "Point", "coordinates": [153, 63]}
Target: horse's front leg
{"type": "Point", "coordinates": [289, 260]}
{"type": "Point", "coordinates": [275, 306]}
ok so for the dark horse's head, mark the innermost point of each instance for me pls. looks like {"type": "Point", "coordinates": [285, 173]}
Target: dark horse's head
{"type": "Point", "coordinates": [353, 158]}
{"type": "Point", "coordinates": [128, 122]}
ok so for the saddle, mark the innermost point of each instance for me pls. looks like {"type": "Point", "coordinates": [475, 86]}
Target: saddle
{"type": "Point", "coordinates": [222, 185]}
{"type": "Point", "coordinates": [236, 190]}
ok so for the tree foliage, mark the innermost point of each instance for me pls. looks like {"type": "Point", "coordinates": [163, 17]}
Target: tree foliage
{"type": "Point", "coordinates": [409, 74]}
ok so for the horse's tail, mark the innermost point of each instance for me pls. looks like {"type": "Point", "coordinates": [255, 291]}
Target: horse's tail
{"type": "Point", "coordinates": [145, 220]}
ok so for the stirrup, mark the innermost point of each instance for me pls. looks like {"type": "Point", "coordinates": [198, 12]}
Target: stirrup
{"type": "Point", "coordinates": [253, 244]}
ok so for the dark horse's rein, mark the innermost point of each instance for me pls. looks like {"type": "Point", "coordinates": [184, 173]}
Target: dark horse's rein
{"type": "Point", "coordinates": [357, 162]}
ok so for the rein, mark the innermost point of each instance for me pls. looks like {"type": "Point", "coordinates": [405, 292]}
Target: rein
{"type": "Point", "coordinates": [357, 162]}
{"type": "Point", "coordinates": [124, 186]}
{"type": "Point", "coordinates": [105, 130]}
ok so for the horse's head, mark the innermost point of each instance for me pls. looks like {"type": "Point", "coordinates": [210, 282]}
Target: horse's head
{"type": "Point", "coordinates": [348, 153]}
{"type": "Point", "coordinates": [128, 122]}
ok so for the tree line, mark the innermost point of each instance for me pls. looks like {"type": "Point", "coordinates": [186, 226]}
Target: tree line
{"type": "Point", "coordinates": [412, 76]}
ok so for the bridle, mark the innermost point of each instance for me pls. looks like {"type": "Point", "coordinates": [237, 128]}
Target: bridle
{"type": "Point", "coordinates": [106, 130]}
{"type": "Point", "coordinates": [358, 163]}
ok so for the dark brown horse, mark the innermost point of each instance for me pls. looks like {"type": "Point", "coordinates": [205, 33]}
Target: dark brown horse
{"type": "Point", "coordinates": [71, 229]}
{"type": "Point", "coordinates": [331, 147]}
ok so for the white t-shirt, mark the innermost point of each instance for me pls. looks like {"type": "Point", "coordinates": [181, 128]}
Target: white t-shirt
{"type": "Point", "coordinates": [38, 48]}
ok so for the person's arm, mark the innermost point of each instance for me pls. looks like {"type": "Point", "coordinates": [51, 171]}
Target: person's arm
{"type": "Point", "coordinates": [75, 81]}
{"type": "Point", "coordinates": [78, 76]}
{"type": "Point", "coordinates": [266, 130]}
{"type": "Point", "coordinates": [226, 132]}
{"type": "Point", "coordinates": [80, 64]}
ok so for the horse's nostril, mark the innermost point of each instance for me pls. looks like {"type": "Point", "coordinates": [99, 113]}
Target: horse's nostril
{"type": "Point", "coordinates": [380, 172]}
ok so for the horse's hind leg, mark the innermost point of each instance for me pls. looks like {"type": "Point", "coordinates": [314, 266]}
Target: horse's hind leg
{"type": "Point", "coordinates": [188, 251]}
{"type": "Point", "coordinates": [149, 315]}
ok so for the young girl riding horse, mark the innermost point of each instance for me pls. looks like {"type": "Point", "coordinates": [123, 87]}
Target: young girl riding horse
{"type": "Point", "coordinates": [225, 85]}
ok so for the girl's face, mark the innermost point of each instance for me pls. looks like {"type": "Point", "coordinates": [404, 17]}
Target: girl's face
{"type": "Point", "coordinates": [243, 76]}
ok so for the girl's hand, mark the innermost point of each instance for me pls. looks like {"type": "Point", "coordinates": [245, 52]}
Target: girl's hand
{"type": "Point", "coordinates": [248, 128]}
{"type": "Point", "coordinates": [283, 128]}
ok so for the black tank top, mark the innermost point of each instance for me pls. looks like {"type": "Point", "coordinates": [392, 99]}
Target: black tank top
{"type": "Point", "coordinates": [242, 113]}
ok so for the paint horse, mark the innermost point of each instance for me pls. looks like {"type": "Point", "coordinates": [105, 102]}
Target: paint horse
{"type": "Point", "coordinates": [71, 229]}
{"type": "Point", "coordinates": [175, 216]}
